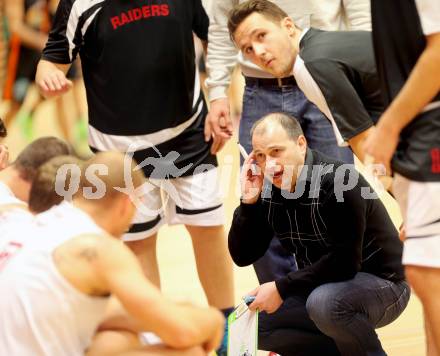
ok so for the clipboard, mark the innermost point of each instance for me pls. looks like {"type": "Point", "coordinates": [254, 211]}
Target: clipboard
{"type": "Point", "coordinates": [243, 331]}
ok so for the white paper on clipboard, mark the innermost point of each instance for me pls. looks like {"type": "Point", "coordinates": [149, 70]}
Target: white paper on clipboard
{"type": "Point", "coordinates": [243, 332]}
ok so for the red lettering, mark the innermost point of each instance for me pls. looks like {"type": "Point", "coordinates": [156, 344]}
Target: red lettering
{"type": "Point", "coordinates": [115, 22]}
{"type": "Point", "coordinates": [124, 19]}
{"type": "Point", "coordinates": [146, 11]}
{"type": "Point", "coordinates": [155, 10]}
{"type": "Point", "coordinates": [137, 14]}
{"type": "Point", "coordinates": [165, 10]}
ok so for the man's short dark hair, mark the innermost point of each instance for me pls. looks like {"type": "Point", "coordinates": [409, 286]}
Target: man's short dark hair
{"type": "Point", "coordinates": [3, 131]}
{"type": "Point", "coordinates": [290, 124]}
{"type": "Point", "coordinates": [42, 195]}
{"type": "Point", "coordinates": [266, 8]}
{"type": "Point", "coordinates": [37, 153]}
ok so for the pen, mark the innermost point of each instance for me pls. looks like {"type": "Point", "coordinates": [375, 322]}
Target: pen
{"type": "Point", "coordinates": [242, 151]}
{"type": "Point", "coordinates": [245, 156]}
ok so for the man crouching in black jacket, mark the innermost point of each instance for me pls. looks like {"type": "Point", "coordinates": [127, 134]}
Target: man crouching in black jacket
{"type": "Point", "coordinates": [350, 278]}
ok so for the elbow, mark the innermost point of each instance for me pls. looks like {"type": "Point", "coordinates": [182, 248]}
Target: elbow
{"type": "Point", "coordinates": [239, 255]}
{"type": "Point", "coordinates": [240, 262]}
{"type": "Point", "coordinates": [239, 258]}
{"type": "Point", "coordinates": [243, 259]}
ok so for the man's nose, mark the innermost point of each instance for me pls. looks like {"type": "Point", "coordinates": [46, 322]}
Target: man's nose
{"type": "Point", "coordinates": [260, 50]}
{"type": "Point", "coordinates": [271, 164]}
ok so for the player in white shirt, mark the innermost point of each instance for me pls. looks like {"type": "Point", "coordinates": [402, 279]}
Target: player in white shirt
{"type": "Point", "coordinates": [42, 196]}
{"type": "Point", "coordinates": [16, 179]}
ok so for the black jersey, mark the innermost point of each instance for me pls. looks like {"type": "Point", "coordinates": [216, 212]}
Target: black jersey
{"type": "Point", "coordinates": [139, 69]}
{"type": "Point", "coordinates": [337, 72]}
{"type": "Point", "coordinates": [399, 30]}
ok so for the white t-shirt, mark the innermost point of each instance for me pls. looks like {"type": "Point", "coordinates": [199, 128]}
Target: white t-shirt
{"type": "Point", "coordinates": [429, 13]}
{"type": "Point", "coordinates": [13, 220]}
{"type": "Point", "coordinates": [41, 312]}
{"type": "Point", "coordinates": [7, 197]}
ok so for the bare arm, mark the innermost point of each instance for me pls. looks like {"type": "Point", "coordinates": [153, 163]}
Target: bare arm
{"type": "Point", "coordinates": [220, 61]}
{"type": "Point", "coordinates": [422, 85]}
{"type": "Point", "coordinates": [28, 36]}
{"type": "Point", "coordinates": [357, 143]}
{"type": "Point", "coordinates": [177, 325]}
{"type": "Point", "coordinates": [51, 78]}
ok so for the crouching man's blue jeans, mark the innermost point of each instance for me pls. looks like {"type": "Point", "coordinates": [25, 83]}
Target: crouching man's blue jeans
{"type": "Point", "coordinates": [335, 319]}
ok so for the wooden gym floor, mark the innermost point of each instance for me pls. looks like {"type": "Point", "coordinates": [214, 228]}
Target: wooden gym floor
{"type": "Point", "coordinates": [404, 337]}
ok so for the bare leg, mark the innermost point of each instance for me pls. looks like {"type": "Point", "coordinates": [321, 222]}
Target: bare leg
{"type": "Point", "coordinates": [79, 97]}
{"type": "Point", "coordinates": [62, 118]}
{"type": "Point", "coordinates": [125, 343]}
{"type": "Point", "coordinates": [145, 250]}
{"type": "Point", "coordinates": [9, 116]}
{"type": "Point", "coordinates": [29, 104]}
{"type": "Point", "coordinates": [214, 264]}
{"type": "Point", "coordinates": [31, 100]}
{"type": "Point", "coordinates": [24, 113]}
{"type": "Point", "coordinates": [426, 284]}
{"type": "Point", "coordinates": [431, 350]}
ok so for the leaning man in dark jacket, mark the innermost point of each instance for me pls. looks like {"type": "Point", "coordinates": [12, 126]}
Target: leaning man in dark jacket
{"type": "Point", "coordinates": [350, 278]}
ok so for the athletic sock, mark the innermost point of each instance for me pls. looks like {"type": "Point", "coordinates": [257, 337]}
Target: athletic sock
{"type": "Point", "coordinates": [223, 349]}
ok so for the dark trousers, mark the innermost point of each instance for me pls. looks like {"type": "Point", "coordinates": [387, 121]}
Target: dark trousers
{"type": "Point", "coordinates": [335, 319]}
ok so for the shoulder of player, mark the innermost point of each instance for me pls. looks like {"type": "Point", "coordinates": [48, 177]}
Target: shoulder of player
{"type": "Point", "coordinates": [92, 247]}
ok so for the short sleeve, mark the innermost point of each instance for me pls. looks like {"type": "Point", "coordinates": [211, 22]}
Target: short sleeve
{"type": "Point", "coordinates": [429, 13]}
{"type": "Point", "coordinates": [200, 21]}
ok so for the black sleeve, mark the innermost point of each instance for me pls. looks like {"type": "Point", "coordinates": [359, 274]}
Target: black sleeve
{"type": "Point", "coordinates": [65, 37]}
{"type": "Point", "coordinates": [200, 21]}
{"type": "Point", "coordinates": [346, 223]}
{"type": "Point", "coordinates": [342, 99]}
{"type": "Point", "coordinates": [250, 234]}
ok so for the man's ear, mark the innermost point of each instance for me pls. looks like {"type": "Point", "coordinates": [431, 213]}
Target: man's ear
{"type": "Point", "coordinates": [288, 24]}
{"type": "Point", "coordinates": [302, 143]}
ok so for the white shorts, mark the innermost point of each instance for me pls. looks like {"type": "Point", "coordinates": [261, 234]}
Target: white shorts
{"type": "Point", "coordinates": [193, 200]}
{"type": "Point", "coordinates": [149, 338]}
{"type": "Point", "coordinates": [420, 205]}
